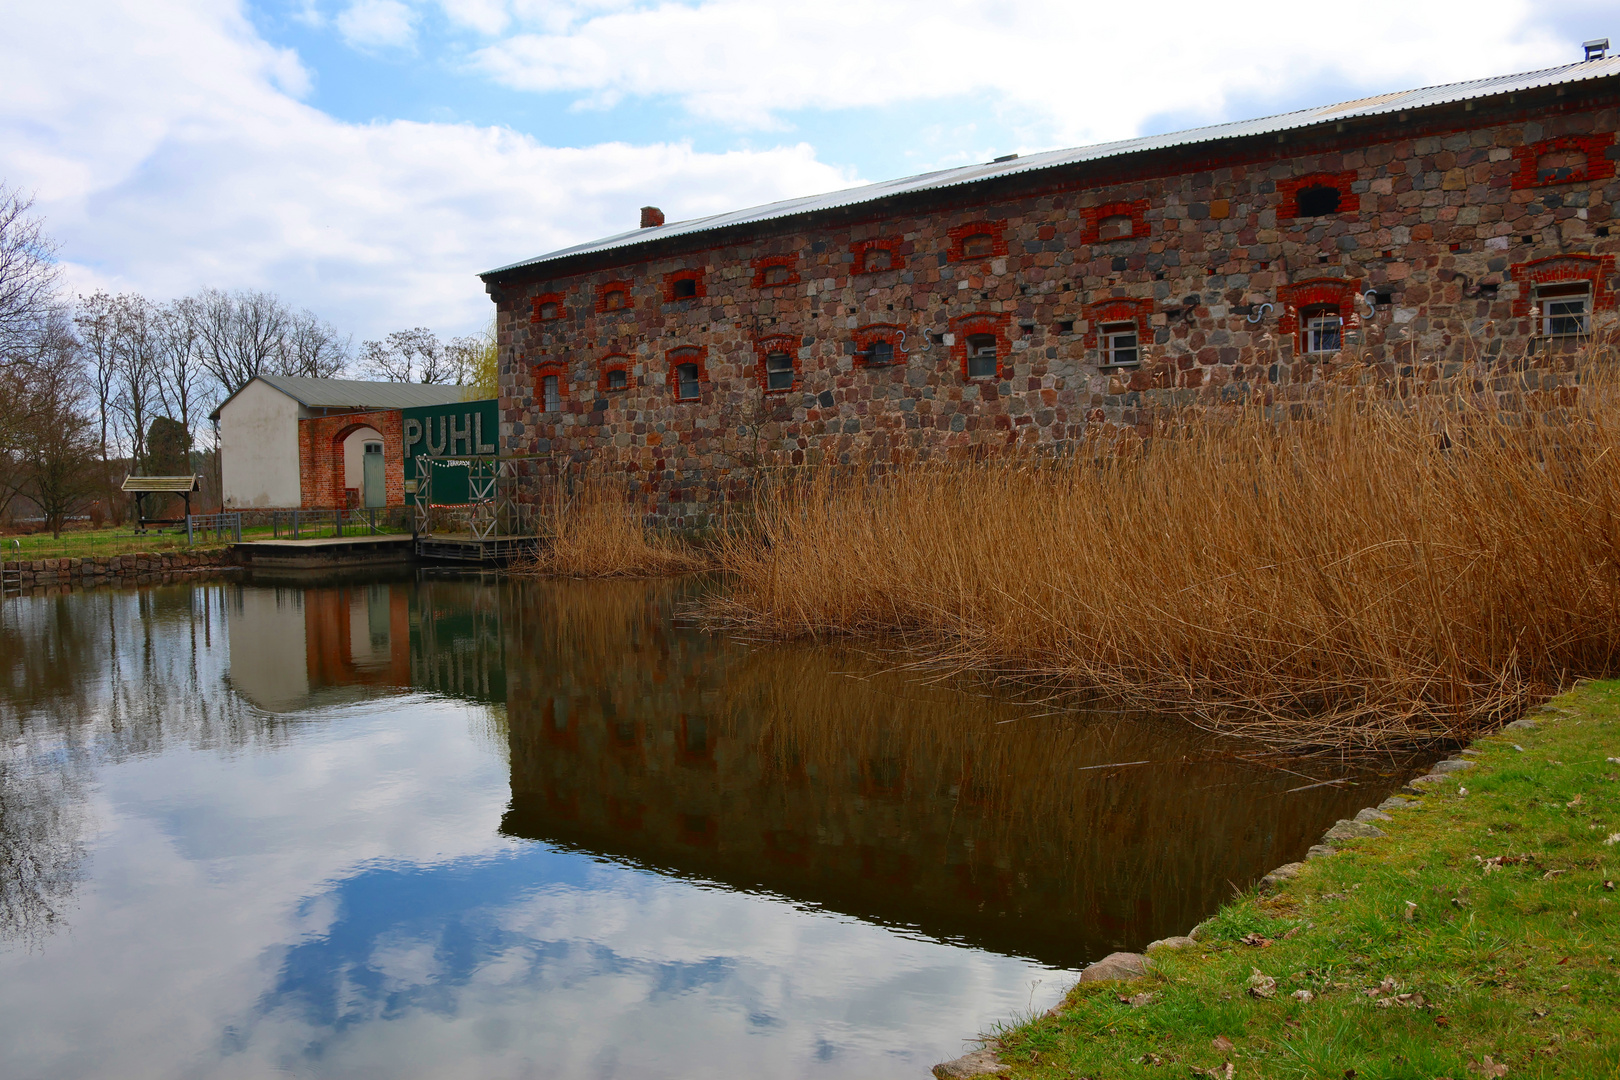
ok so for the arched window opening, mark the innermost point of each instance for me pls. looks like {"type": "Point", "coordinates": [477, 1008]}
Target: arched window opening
{"type": "Point", "coordinates": [981, 356]}
{"type": "Point", "coordinates": [1115, 227]}
{"type": "Point", "coordinates": [687, 384]}
{"type": "Point", "coordinates": [684, 288]}
{"type": "Point", "coordinates": [1323, 328]}
{"type": "Point", "coordinates": [879, 259]}
{"type": "Point", "coordinates": [778, 371]}
{"type": "Point", "coordinates": [776, 275]}
{"type": "Point", "coordinates": [615, 300]}
{"type": "Point", "coordinates": [551, 393]}
{"type": "Point", "coordinates": [1319, 201]}
{"type": "Point", "coordinates": [550, 310]}
{"type": "Point", "coordinates": [1120, 345]}
{"type": "Point", "coordinates": [1564, 309]}
{"type": "Point", "coordinates": [618, 379]}
{"type": "Point", "coordinates": [978, 246]}
{"type": "Point", "coordinates": [880, 353]}
{"type": "Point", "coordinates": [1558, 166]}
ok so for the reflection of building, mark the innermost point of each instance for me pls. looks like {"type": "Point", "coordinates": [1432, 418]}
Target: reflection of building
{"type": "Point", "coordinates": [877, 797]}
{"type": "Point", "coordinates": [294, 442]}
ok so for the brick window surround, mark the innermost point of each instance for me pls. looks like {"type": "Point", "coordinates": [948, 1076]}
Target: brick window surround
{"type": "Point", "coordinates": [1595, 270]}
{"type": "Point", "coordinates": [996, 230]}
{"type": "Point", "coordinates": [777, 343]}
{"type": "Point", "coordinates": [1337, 293]}
{"type": "Point", "coordinates": [1288, 208]}
{"type": "Point", "coordinates": [550, 367]}
{"type": "Point", "coordinates": [694, 276]}
{"type": "Point", "coordinates": [542, 300]}
{"type": "Point", "coordinates": [1597, 164]}
{"type": "Point", "coordinates": [1119, 309]}
{"type": "Point", "coordinates": [993, 323]}
{"type": "Point", "coordinates": [610, 364]}
{"type": "Point", "coordinates": [686, 354]}
{"type": "Point", "coordinates": [1092, 217]}
{"type": "Point", "coordinates": [862, 250]}
{"type": "Point", "coordinates": [604, 290]}
{"type": "Point", "coordinates": [761, 265]}
{"type": "Point", "coordinates": [893, 333]}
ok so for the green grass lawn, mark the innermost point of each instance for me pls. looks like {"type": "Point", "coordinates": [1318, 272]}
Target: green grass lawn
{"type": "Point", "coordinates": [1478, 938]}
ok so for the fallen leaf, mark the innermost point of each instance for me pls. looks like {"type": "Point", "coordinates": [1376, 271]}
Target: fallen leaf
{"type": "Point", "coordinates": [1576, 801]}
{"type": "Point", "coordinates": [1462, 793]}
{"type": "Point", "coordinates": [1442, 1021]}
{"type": "Point", "coordinates": [1152, 1059]}
{"type": "Point", "coordinates": [1384, 989]}
{"type": "Point", "coordinates": [1304, 997]}
{"type": "Point", "coordinates": [1488, 1068]}
{"type": "Point", "coordinates": [1256, 940]}
{"type": "Point", "coordinates": [1552, 874]}
{"type": "Point", "coordinates": [1221, 1044]}
{"type": "Point", "coordinates": [1614, 838]}
{"type": "Point", "coordinates": [1609, 885]}
{"type": "Point", "coordinates": [1136, 1001]}
{"type": "Point", "coordinates": [1262, 985]}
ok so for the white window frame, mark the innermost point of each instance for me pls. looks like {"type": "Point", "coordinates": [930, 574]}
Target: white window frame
{"type": "Point", "coordinates": [551, 393]}
{"type": "Point", "coordinates": [1120, 340]}
{"type": "Point", "coordinates": [983, 352]}
{"type": "Point", "coordinates": [624, 379]}
{"type": "Point", "coordinates": [1319, 324]}
{"type": "Point", "coordinates": [770, 372]}
{"type": "Point", "coordinates": [1581, 314]}
{"type": "Point", "coordinates": [695, 382]}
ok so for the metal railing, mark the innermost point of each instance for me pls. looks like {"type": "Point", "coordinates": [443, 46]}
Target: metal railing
{"type": "Point", "coordinates": [219, 526]}
{"type": "Point", "coordinates": [319, 523]}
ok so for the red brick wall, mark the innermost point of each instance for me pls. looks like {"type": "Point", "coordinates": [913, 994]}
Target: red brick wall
{"type": "Point", "coordinates": [320, 455]}
{"type": "Point", "coordinates": [1430, 216]}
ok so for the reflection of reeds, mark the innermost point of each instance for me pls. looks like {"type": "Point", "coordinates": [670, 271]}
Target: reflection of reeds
{"type": "Point", "coordinates": [600, 533]}
{"type": "Point", "coordinates": [1373, 566]}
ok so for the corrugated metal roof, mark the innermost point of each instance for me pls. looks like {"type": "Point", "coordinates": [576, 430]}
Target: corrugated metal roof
{"type": "Point", "coordinates": [1402, 101]}
{"type": "Point", "coordinates": [354, 393]}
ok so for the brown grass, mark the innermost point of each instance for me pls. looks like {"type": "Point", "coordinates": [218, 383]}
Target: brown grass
{"type": "Point", "coordinates": [600, 534]}
{"type": "Point", "coordinates": [1360, 573]}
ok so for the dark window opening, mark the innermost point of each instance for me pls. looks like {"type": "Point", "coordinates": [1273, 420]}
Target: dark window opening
{"type": "Point", "coordinates": [879, 259]}
{"type": "Point", "coordinates": [550, 309]}
{"type": "Point", "coordinates": [618, 379]}
{"type": "Point", "coordinates": [778, 371]}
{"type": "Point", "coordinates": [687, 387]}
{"type": "Point", "coordinates": [615, 300]}
{"type": "Point", "coordinates": [1115, 227]}
{"type": "Point", "coordinates": [1066, 326]}
{"type": "Point", "coordinates": [684, 289]}
{"type": "Point", "coordinates": [981, 356]}
{"type": "Point", "coordinates": [879, 353]}
{"type": "Point", "coordinates": [1318, 201]}
{"type": "Point", "coordinates": [978, 246]}
{"type": "Point", "coordinates": [776, 275]}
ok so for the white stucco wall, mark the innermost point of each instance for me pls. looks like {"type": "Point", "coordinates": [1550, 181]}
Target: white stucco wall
{"type": "Point", "coordinates": [258, 439]}
{"type": "Point", "coordinates": [354, 450]}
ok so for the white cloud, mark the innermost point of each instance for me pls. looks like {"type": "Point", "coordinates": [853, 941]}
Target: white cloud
{"type": "Point", "coordinates": [174, 157]}
{"type": "Point", "coordinates": [378, 24]}
{"type": "Point", "coordinates": [1089, 71]}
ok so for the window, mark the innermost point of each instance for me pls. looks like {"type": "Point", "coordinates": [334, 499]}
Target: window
{"type": "Point", "coordinates": [1319, 201]}
{"type": "Point", "coordinates": [776, 275]}
{"type": "Point", "coordinates": [879, 353]}
{"type": "Point", "coordinates": [550, 309]}
{"type": "Point", "coordinates": [778, 371]}
{"type": "Point", "coordinates": [373, 447]}
{"type": "Point", "coordinates": [551, 392]}
{"type": "Point", "coordinates": [879, 259]}
{"type": "Point", "coordinates": [688, 386]}
{"type": "Point", "coordinates": [618, 379]}
{"type": "Point", "coordinates": [1115, 227]}
{"type": "Point", "coordinates": [981, 356]}
{"type": "Point", "coordinates": [1119, 343]}
{"type": "Point", "coordinates": [1324, 330]}
{"type": "Point", "coordinates": [978, 246]}
{"type": "Point", "coordinates": [1560, 166]}
{"type": "Point", "coordinates": [615, 300]}
{"type": "Point", "coordinates": [1563, 309]}
{"type": "Point", "coordinates": [684, 288]}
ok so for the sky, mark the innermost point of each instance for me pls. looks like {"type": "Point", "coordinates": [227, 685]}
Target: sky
{"type": "Point", "coordinates": [366, 159]}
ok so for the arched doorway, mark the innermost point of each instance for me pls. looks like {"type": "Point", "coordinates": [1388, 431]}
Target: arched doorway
{"type": "Point", "coordinates": [365, 477]}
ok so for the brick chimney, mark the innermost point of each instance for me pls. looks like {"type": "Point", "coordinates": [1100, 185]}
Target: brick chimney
{"type": "Point", "coordinates": [651, 217]}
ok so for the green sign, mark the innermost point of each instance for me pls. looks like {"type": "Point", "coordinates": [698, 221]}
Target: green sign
{"type": "Point", "coordinates": [444, 433]}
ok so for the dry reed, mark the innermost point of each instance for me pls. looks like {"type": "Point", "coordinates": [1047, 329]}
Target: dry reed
{"type": "Point", "coordinates": [600, 533]}
{"type": "Point", "coordinates": [1359, 572]}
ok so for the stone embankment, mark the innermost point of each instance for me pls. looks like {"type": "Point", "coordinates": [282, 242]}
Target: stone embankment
{"type": "Point", "coordinates": [138, 567]}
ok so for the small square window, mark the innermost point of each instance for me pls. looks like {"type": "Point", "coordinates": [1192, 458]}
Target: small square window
{"type": "Point", "coordinates": [1564, 310]}
{"type": "Point", "coordinates": [978, 246]}
{"type": "Point", "coordinates": [1324, 331]}
{"type": "Point", "coordinates": [618, 379]}
{"type": "Point", "coordinates": [1319, 201]}
{"type": "Point", "coordinates": [687, 386]}
{"type": "Point", "coordinates": [778, 371]}
{"type": "Point", "coordinates": [981, 356]}
{"type": "Point", "coordinates": [776, 275]}
{"type": "Point", "coordinates": [879, 353]}
{"type": "Point", "coordinates": [1119, 343]}
{"type": "Point", "coordinates": [684, 288]}
{"type": "Point", "coordinates": [879, 259]}
{"type": "Point", "coordinates": [551, 392]}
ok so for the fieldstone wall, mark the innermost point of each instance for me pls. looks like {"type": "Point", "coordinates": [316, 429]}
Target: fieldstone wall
{"type": "Point", "coordinates": [141, 567]}
{"type": "Point", "coordinates": [1450, 221]}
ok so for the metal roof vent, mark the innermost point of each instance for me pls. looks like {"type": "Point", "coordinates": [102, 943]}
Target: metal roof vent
{"type": "Point", "coordinates": [1014, 157]}
{"type": "Point", "coordinates": [1597, 48]}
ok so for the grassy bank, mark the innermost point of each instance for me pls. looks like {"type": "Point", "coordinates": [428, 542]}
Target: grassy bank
{"type": "Point", "coordinates": [1358, 572]}
{"type": "Point", "coordinates": [100, 543]}
{"type": "Point", "coordinates": [1480, 937]}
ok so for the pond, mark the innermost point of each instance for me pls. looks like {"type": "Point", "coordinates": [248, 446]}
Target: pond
{"type": "Point", "coordinates": [427, 825]}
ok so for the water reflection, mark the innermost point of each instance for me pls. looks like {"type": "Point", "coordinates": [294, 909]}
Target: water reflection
{"type": "Point", "coordinates": [420, 827]}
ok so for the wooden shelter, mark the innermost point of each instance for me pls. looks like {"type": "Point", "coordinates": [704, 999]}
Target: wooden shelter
{"type": "Point", "coordinates": [142, 486]}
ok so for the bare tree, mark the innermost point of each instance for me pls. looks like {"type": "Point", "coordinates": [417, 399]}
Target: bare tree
{"type": "Point", "coordinates": [181, 371]}
{"type": "Point", "coordinates": [408, 356]}
{"type": "Point", "coordinates": [97, 322]}
{"type": "Point", "coordinates": [312, 348]}
{"type": "Point", "coordinates": [472, 362]}
{"type": "Point", "coordinates": [55, 442]}
{"type": "Point", "coordinates": [28, 277]}
{"type": "Point", "coordinates": [138, 355]}
{"type": "Point", "coordinates": [242, 334]}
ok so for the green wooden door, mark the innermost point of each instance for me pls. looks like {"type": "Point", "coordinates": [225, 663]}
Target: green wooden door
{"type": "Point", "coordinates": [375, 475]}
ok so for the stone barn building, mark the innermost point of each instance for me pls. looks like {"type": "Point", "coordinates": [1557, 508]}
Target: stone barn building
{"type": "Point", "coordinates": [1033, 301]}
